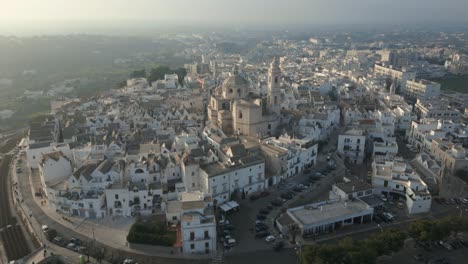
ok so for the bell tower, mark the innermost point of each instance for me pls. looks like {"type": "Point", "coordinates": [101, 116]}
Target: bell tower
{"type": "Point", "coordinates": [274, 92]}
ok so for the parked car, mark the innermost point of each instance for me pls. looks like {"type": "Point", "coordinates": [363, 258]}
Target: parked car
{"type": "Point", "coordinates": [73, 246]}
{"type": "Point", "coordinates": [223, 222]}
{"type": "Point", "coordinates": [45, 228]}
{"type": "Point", "coordinates": [277, 202]}
{"type": "Point", "coordinates": [446, 245]}
{"type": "Point", "coordinates": [383, 198]}
{"type": "Point", "coordinates": [261, 228]}
{"type": "Point", "coordinates": [264, 194]}
{"type": "Point", "coordinates": [262, 234]}
{"type": "Point", "coordinates": [278, 246]}
{"type": "Point", "coordinates": [298, 189]}
{"type": "Point", "coordinates": [264, 211]}
{"type": "Point", "coordinates": [287, 196]}
{"type": "Point", "coordinates": [59, 241]}
{"type": "Point", "coordinates": [254, 197]}
{"type": "Point", "coordinates": [76, 241]}
{"type": "Point", "coordinates": [231, 242]}
{"type": "Point", "coordinates": [269, 239]}
{"type": "Point", "coordinates": [261, 217]}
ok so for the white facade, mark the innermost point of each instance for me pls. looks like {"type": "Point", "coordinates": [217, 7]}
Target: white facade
{"type": "Point", "coordinates": [221, 181]}
{"type": "Point", "coordinates": [422, 89]}
{"type": "Point", "coordinates": [351, 145]}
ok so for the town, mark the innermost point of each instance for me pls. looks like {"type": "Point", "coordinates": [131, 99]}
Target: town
{"type": "Point", "coordinates": [278, 150]}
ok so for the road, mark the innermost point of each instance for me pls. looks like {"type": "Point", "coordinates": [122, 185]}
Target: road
{"type": "Point", "coordinates": [13, 238]}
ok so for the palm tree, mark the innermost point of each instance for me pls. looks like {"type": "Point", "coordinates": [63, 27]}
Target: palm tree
{"type": "Point", "coordinates": [294, 230]}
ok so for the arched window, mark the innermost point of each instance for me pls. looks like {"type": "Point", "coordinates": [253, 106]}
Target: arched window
{"type": "Point", "coordinates": [239, 91]}
{"type": "Point", "coordinates": [230, 90]}
{"type": "Point", "coordinates": [276, 79]}
{"type": "Point", "coordinates": [138, 171]}
{"type": "Point", "coordinates": [240, 114]}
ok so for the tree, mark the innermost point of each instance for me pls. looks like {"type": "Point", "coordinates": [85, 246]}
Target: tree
{"type": "Point", "coordinates": [293, 230]}
{"type": "Point", "coordinates": [138, 74]}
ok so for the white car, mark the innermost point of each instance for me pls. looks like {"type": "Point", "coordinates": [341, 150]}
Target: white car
{"type": "Point", "coordinates": [230, 242]}
{"type": "Point", "coordinates": [268, 239]}
{"type": "Point", "coordinates": [45, 228]}
{"type": "Point", "coordinates": [383, 198]}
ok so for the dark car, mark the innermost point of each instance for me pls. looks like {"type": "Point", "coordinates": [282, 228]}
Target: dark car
{"type": "Point", "coordinates": [264, 194]}
{"type": "Point", "coordinates": [270, 207]}
{"type": "Point", "coordinates": [262, 234]}
{"type": "Point", "coordinates": [264, 211]}
{"type": "Point", "coordinates": [75, 241]}
{"type": "Point", "coordinates": [298, 189]}
{"type": "Point", "coordinates": [261, 224]}
{"type": "Point", "coordinates": [261, 217]}
{"type": "Point", "coordinates": [278, 246]}
{"type": "Point", "coordinates": [287, 196]}
{"type": "Point", "coordinates": [254, 197]}
{"type": "Point", "coordinates": [261, 228]}
{"type": "Point", "coordinates": [277, 202]}
{"type": "Point", "coordinates": [228, 227]}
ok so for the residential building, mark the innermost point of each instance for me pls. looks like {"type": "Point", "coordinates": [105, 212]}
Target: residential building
{"type": "Point", "coordinates": [351, 145]}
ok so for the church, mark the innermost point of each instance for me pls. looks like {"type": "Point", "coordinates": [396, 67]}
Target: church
{"type": "Point", "coordinates": [238, 111]}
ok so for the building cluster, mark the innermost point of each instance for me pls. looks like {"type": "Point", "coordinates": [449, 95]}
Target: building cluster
{"type": "Point", "coordinates": [235, 126]}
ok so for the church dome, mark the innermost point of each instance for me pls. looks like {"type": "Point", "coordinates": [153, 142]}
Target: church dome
{"type": "Point", "coordinates": [235, 87]}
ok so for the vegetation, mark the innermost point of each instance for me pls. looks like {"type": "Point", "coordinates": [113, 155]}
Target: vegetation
{"type": "Point", "coordinates": [138, 74]}
{"type": "Point", "coordinates": [349, 251]}
{"type": "Point", "coordinates": [158, 72]}
{"type": "Point", "coordinates": [425, 230]}
{"type": "Point", "coordinates": [294, 231]}
{"type": "Point", "coordinates": [51, 234]}
{"type": "Point", "coordinates": [151, 233]}
{"type": "Point", "coordinates": [457, 83]}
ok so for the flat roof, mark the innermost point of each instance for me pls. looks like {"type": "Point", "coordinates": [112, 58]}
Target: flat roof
{"type": "Point", "coordinates": [321, 213]}
{"type": "Point", "coordinates": [354, 186]}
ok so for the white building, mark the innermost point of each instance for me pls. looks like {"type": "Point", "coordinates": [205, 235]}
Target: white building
{"type": "Point", "coordinates": [54, 167]}
{"type": "Point", "coordinates": [399, 77]}
{"type": "Point", "coordinates": [221, 180]}
{"type": "Point", "coordinates": [422, 89]}
{"type": "Point", "coordinates": [391, 174]}
{"type": "Point", "coordinates": [351, 145]}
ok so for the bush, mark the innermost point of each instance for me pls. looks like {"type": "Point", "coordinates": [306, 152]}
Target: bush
{"type": "Point", "coordinates": [153, 234]}
{"type": "Point", "coordinates": [51, 234]}
{"type": "Point", "coordinates": [349, 251]}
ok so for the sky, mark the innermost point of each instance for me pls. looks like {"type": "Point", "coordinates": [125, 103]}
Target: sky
{"type": "Point", "coordinates": [190, 12]}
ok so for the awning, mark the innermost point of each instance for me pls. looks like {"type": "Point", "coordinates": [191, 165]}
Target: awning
{"type": "Point", "coordinates": [233, 204]}
{"type": "Point", "coordinates": [225, 207]}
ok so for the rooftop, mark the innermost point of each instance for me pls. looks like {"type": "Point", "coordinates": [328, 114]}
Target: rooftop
{"type": "Point", "coordinates": [323, 212]}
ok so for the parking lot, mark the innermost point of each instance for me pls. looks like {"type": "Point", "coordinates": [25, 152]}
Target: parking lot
{"type": "Point", "coordinates": [303, 188]}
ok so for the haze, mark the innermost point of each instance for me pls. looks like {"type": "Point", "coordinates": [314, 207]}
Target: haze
{"type": "Point", "coordinates": [40, 14]}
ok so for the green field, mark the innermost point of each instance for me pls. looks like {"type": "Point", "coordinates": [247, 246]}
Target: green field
{"type": "Point", "coordinates": [454, 83]}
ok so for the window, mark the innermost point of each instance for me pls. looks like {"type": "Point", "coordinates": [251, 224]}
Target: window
{"type": "Point", "coordinates": [276, 79]}
{"type": "Point", "coordinates": [230, 90]}
{"type": "Point", "coordinates": [174, 217]}
{"type": "Point", "coordinates": [269, 126]}
{"type": "Point", "coordinates": [207, 245]}
{"type": "Point", "coordinates": [193, 173]}
{"type": "Point", "coordinates": [192, 246]}
{"type": "Point", "coordinates": [358, 140]}
{"type": "Point", "coordinates": [193, 185]}
{"type": "Point", "coordinates": [240, 114]}
{"type": "Point", "coordinates": [192, 236]}
{"type": "Point", "coordinates": [116, 196]}
{"type": "Point", "coordinates": [250, 179]}
{"type": "Point", "coordinates": [207, 234]}
{"type": "Point", "coordinates": [91, 205]}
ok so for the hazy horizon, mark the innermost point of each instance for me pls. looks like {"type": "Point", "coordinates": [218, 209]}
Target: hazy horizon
{"type": "Point", "coordinates": [57, 16]}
